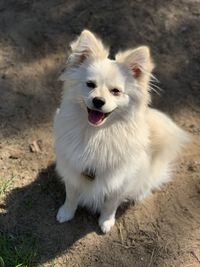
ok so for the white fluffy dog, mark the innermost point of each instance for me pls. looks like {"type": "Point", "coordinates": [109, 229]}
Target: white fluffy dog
{"type": "Point", "coordinates": [110, 145]}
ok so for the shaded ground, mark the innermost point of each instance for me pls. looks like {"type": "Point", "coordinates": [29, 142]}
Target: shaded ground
{"type": "Point", "coordinates": [162, 231]}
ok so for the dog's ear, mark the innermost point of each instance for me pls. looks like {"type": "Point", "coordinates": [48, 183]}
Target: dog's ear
{"type": "Point", "coordinates": [138, 61]}
{"type": "Point", "coordinates": [87, 45]}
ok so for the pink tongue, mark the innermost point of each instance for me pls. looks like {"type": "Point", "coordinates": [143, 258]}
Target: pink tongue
{"type": "Point", "coordinates": [95, 117]}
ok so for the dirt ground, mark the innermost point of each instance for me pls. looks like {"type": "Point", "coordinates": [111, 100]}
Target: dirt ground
{"type": "Point", "coordinates": [163, 230]}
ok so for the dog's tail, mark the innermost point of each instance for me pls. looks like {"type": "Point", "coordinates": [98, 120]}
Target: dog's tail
{"type": "Point", "coordinates": [167, 139]}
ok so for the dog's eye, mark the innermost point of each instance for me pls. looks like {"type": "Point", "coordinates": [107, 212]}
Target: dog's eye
{"type": "Point", "coordinates": [115, 91]}
{"type": "Point", "coordinates": [91, 84]}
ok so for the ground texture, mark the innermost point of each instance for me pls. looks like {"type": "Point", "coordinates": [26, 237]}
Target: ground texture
{"type": "Point", "coordinates": [162, 231]}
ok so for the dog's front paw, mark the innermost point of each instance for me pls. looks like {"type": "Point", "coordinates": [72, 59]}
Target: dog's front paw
{"type": "Point", "coordinates": [64, 214]}
{"type": "Point", "coordinates": [106, 225]}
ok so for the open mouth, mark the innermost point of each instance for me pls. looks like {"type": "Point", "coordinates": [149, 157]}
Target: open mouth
{"type": "Point", "coordinates": [96, 117]}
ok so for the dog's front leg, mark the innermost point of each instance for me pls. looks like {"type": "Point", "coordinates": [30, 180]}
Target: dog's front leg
{"type": "Point", "coordinates": [67, 210]}
{"type": "Point", "coordinates": [108, 210]}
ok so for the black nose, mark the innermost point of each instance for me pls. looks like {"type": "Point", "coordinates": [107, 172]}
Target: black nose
{"type": "Point", "coordinates": [98, 102]}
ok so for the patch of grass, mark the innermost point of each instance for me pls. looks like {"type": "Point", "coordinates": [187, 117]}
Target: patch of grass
{"type": "Point", "coordinates": [6, 185]}
{"type": "Point", "coordinates": [16, 252]}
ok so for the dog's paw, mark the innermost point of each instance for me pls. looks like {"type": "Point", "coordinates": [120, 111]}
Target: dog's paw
{"type": "Point", "coordinates": [64, 214]}
{"type": "Point", "coordinates": [106, 225]}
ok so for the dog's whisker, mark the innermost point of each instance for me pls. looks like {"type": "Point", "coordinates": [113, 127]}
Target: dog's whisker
{"type": "Point", "coordinates": [153, 77]}
{"type": "Point", "coordinates": [156, 87]}
{"type": "Point", "coordinates": [154, 90]}
{"type": "Point", "coordinates": [151, 87]}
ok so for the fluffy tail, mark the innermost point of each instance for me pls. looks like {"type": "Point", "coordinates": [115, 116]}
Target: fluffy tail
{"type": "Point", "coordinates": [167, 139]}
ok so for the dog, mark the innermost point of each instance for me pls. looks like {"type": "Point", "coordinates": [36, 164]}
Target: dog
{"type": "Point", "coordinates": [111, 146]}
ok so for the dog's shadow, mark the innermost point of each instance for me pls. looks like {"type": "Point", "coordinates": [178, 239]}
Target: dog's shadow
{"type": "Point", "coordinates": [31, 212]}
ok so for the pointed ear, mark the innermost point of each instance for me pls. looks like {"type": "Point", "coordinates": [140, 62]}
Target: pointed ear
{"type": "Point", "coordinates": [138, 60]}
{"type": "Point", "coordinates": [86, 46]}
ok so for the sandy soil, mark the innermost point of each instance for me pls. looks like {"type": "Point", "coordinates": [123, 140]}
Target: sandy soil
{"type": "Point", "coordinates": [164, 230]}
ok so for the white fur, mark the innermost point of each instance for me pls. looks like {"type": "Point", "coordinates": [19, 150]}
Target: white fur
{"type": "Point", "coordinates": [130, 152]}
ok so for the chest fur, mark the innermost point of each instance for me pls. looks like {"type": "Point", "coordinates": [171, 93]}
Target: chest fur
{"type": "Point", "coordinates": [102, 149]}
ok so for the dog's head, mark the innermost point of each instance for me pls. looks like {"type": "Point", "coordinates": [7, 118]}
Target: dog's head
{"type": "Point", "coordinates": [107, 89]}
